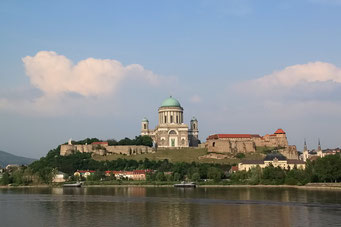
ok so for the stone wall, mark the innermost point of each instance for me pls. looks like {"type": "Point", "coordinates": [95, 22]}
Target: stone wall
{"type": "Point", "coordinates": [104, 149]}
{"type": "Point", "coordinates": [241, 145]}
{"type": "Point", "coordinates": [248, 143]}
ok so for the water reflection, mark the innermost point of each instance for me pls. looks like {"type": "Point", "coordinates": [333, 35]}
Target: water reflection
{"type": "Point", "coordinates": [141, 206]}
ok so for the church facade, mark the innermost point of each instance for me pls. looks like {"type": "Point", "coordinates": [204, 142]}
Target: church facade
{"type": "Point", "coordinates": [171, 131]}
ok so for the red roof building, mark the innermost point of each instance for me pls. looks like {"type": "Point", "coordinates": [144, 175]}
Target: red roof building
{"type": "Point", "coordinates": [279, 131]}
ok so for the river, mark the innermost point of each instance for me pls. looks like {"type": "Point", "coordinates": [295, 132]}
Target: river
{"type": "Point", "coordinates": [167, 206]}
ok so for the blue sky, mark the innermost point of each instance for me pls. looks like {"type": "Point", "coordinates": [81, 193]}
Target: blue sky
{"type": "Point", "coordinates": [238, 66]}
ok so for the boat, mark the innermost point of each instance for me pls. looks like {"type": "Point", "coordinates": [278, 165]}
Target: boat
{"type": "Point", "coordinates": [183, 184]}
{"type": "Point", "coordinates": [78, 184]}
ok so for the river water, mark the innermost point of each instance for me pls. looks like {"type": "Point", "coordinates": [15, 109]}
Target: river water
{"type": "Point", "coordinates": [150, 206]}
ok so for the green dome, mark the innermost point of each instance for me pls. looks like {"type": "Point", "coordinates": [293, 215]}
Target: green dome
{"type": "Point", "coordinates": [170, 102]}
{"type": "Point", "coordinates": [144, 120]}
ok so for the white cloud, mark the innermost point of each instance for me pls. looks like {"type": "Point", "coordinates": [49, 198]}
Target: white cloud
{"type": "Point", "coordinates": [61, 87]}
{"type": "Point", "coordinates": [309, 77]}
{"type": "Point", "coordinates": [295, 91]}
{"type": "Point", "coordinates": [55, 74]}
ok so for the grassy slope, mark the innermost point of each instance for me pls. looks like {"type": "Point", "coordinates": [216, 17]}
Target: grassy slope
{"type": "Point", "coordinates": [179, 155]}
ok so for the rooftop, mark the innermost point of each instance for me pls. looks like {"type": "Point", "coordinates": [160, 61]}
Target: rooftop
{"type": "Point", "coordinates": [170, 102]}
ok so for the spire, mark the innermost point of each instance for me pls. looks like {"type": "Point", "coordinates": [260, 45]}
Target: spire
{"type": "Point", "coordinates": [305, 145]}
{"type": "Point", "coordinates": [319, 145]}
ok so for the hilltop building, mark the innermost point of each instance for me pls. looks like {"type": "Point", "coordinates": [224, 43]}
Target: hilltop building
{"type": "Point", "coordinates": [246, 143]}
{"type": "Point", "coordinates": [103, 148]}
{"type": "Point", "coordinates": [171, 131]}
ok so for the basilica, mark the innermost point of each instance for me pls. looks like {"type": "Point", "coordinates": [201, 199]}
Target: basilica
{"type": "Point", "coordinates": [171, 130]}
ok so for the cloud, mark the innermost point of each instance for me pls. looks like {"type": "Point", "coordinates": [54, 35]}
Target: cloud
{"type": "Point", "coordinates": [55, 74]}
{"type": "Point", "coordinates": [310, 77]}
{"type": "Point", "coordinates": [294, 91]}
{"type": "Point", "coordinates": [58, 86]}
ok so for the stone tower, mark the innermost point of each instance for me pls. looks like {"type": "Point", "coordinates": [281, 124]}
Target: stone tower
{"type": "Point", "coordinates": [144, 127]}
{"type": "Point", "coordinates": [305, 152]}
{"type": "Point", "coordinates": [193, 133]}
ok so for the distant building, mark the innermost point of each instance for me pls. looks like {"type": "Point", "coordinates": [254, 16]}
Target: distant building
{"type": "Point", "coordinates": [277, 160]}
{"type": "Point", "coordinates": [247, 143]}
{"type": "Point", "coordinates": [171, 131]}
{"type": "Point", "coordinates": [59, 177]}
{"type": "Point", "coordinates": [84, 173]}
{"type": "Point", "coordinates": [130, 175]}
{"type": "Point", "coordinates": [318, 153]}
{"type": "Point", "coordinates": [102, 148]}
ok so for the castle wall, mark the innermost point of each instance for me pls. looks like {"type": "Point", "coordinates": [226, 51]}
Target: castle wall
{"type": "Point", "coordinates": [235, 145]}
{"type": "Point", "coordinates": [246, 143]}
{"type": "Point", "coordinates": [104, 149]}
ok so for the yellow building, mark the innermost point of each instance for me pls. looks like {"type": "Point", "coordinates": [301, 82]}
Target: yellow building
{"type": "Point", "coordinates": [277, 160]}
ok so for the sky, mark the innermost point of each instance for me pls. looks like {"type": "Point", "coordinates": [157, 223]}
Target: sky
{"type": "Point", "coordinates": [78, 69]}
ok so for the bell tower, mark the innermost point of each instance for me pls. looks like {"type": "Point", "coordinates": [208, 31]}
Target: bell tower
{"type": "Point", "coordinates": [144, 127]}
{"type": "Point", "coordinates": [305, 151]}
{"type": "Point", "coordinates": [193, 133]}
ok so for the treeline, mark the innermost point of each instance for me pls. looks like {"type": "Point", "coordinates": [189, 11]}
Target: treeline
{"type": "Point", "coordinates": [326, 169]}
{"type": "Point", "coordinates": [83, 161]}
{"type": "Point", "coordinates": [138, 140]}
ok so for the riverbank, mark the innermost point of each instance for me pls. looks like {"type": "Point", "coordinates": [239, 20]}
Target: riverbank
{"type": "Point", "coordinates": [314, 186]}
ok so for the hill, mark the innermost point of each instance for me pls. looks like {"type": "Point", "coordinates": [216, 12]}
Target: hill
{"type": "Point", "coordinates": [180, 155]}
{"type": "Point", "coordinates": [7, 158]}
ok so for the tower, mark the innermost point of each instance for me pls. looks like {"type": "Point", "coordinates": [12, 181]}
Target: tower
{"type": "Point", "coordinates": [144, 127]}
{"type": "Point", "coordinates": [305, 151]}
{"type": "Point", "coordinates": [193, 133]}
{"type": "Point", "coordinates": [319, 150]}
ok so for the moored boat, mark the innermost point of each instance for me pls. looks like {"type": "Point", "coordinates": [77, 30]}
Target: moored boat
{"type": "Point", "coordinates": [78, 184]}
{"type": "Point", "coordinates": [185, 185]}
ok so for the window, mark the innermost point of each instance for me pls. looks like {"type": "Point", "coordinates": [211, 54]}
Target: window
{"type": "Point", "coordinates": [171, 120]}
{"type": "Point", "coordinates": [145, 126]}
{"type": "Point", "coordinates": [165, 119]}
{"type": "Point", "coordinates": [177, 119]}
{"type": "Point", "coordinates": [213, 144]}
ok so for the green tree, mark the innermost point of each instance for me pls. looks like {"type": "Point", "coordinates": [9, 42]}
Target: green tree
{"type": "Point", "coordinates": [176, 176]}
{"type": "Point", "coordinates": [5, 180]}
{"type": "Point", "coordinates": [255, 175]}
{"type": "Point", "coordinates": [214, 173]}
{"type": "Point", "coordinates": [160, 176]}
{"type": "Point", "coordinates": [195, 177]}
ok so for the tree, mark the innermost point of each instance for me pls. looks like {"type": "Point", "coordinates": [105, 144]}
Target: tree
{"type": "Point", "coordinates": [255, 175]}
{"type": "Point", "coordinates": [214, 173]}
{"type": "Point", "coordinates": [273, 175]}
{"type": "Point", "coordinates": [160, 176]}
{"type": "Point", "coordinates": [176, 176]}
{"type": "Point", "coordinates": [195, 177]}
{"type": "Point", "coordinates": [5, 180]}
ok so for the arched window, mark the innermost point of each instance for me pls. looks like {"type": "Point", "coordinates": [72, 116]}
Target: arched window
{"type": "Point", "coordinates": [145, 126]}
{"type": "Point", "coordinates": [213, 144]}
{"type": "Point", "coordinates": [172, 132]}
{"type": "Point", "coordinates": [165, 119]}
{"type": "Point", "coordinates": [171, 120]}
{"type": "Point", "coordinates": [177, 119]}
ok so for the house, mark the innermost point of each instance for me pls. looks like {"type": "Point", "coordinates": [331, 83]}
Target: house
{"type": "Point", "coordinates": [130, 175]}
{"type": "Point", "coordinates": [84, 173]}
{"type": "Point", "coordinates": [59, 177]}
{"type": "Point", "coordinates": [275, 159]}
